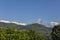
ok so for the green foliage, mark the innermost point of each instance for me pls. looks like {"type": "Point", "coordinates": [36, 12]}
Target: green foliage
{"type": "Point", "coordinates": [42, 29]}
{"type": "Point", "coordinates": [56, 33]}
{"type": "Point", "coordinates": [14, 34]}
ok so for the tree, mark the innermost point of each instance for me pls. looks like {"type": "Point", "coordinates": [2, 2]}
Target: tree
{"type": "Point", "coordinates": [56, 32]}
{"type": "Point", "coordinates": [14, 34]}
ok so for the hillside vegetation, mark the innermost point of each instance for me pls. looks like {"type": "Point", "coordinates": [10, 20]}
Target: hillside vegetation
{"type": "Point", "coordinates": [39, 28]}
{"type": "Point", "coordinates": [14, 34]}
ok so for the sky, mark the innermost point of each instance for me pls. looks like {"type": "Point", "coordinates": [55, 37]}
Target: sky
{"type": "Point", "coordinates": [28, 11]}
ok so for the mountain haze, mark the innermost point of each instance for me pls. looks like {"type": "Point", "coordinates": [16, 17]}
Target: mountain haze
{"type": "Point", "coordinates": [40, 28]}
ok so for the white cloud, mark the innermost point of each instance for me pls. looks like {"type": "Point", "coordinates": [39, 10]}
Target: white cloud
{"type": "Point", "coordinates": [19, 23]}
{"type": "Point", "coordinates": [54, 23]}
{"type": "Point", "coordinates": [39, 21]}
{"type": "Point", "coordinates": [4, 21]}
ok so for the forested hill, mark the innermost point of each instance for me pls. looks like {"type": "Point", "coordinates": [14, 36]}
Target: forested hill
{"type": "Point", "coordinates": [35, 26]}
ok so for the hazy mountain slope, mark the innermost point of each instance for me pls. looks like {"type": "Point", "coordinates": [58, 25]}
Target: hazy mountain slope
{"type": "Point", "coordinates": [35, 26]}
{"type": "Point", "coordinates": [40, 28]}
{"type": "Point", "coordinates": [11, 25]}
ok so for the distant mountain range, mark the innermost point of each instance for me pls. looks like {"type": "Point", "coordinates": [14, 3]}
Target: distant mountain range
{"type": "Point", "coordinates": [35, 26]}
{"type": "Point", "coordinates": [38, 27]}
{"type": "Point", "coordinates": [21, 26]}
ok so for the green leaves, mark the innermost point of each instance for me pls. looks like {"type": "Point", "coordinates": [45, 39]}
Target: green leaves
{"type": "Point", "coordinates": [56, 33]}
{"type": "Point", "coordinates": [14, 34]}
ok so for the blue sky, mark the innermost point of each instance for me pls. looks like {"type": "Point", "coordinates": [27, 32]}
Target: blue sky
{"type": "Point", "coordinates": [30, 10]}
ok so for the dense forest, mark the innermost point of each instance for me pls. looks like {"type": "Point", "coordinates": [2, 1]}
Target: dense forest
{"type": "Point", "coordinates": [14, 34]}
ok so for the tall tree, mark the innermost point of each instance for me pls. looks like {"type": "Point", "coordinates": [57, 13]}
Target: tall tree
{"type": "Point", "coordinates": [56, 32]}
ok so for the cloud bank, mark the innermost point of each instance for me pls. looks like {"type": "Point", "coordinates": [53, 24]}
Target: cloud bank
{"type": "Point", "coordinates": [5, 21]}
{"type": "Point", "coordinates": [54, 23]}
